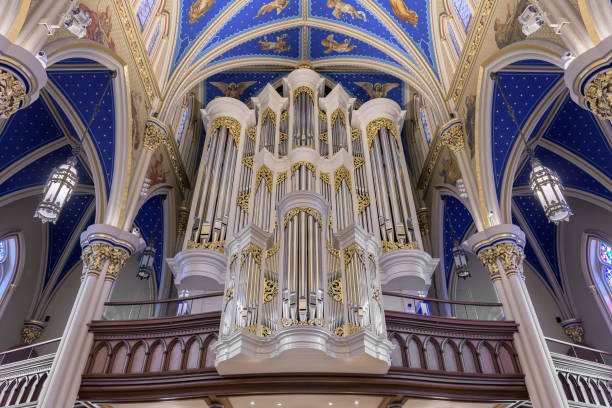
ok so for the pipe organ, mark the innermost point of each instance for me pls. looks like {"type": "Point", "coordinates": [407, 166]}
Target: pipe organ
{"type": "Point", "coordinates": [302, 196]}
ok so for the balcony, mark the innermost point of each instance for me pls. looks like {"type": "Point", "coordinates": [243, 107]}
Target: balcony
{"type": "Point", "coordinates": [437, 355]}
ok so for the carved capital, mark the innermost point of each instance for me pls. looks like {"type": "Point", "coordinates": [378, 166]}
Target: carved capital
{"type": "Point", "coordinates": [598, 94]}
{"type": "Point", "coordinates": [574, 329]}
{"type": "Point", "coordinates": [452, 137]}
{"type": "Point", "coordinates": [153, 136]}
{"type": "Point", "coordinates": [12, 93]}
{"type": "Point", "coordinates": [96, 255]}
{"type": "Point", "coordinates": [423, 218]}
{"type": "Point", "coordinates": [510, 256]}
{"type": "Point", "coordinates": [488, 257]}
{"type": "Point", "coordinates": [31, 331]}
{"type": "Point", "coordinates": [181, 221]}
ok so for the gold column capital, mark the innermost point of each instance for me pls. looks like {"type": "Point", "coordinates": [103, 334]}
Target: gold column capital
{"type": "Point", "coordinates": [96, 255]}
{"type": "Point", "coordinates": [574, 329]}
{"type": "Point", "coordinates": [452, 135]}
{"type": "Point", "coordinates": [12, 93]}
{"type": "Point", "coordinates": [598, 94]}
{"type": "Point", "coordinates": [31, 331]}
{"type": "Point", "coordinates": [488, 257]}
{"type": "Point", "coordinates": [510, 256]}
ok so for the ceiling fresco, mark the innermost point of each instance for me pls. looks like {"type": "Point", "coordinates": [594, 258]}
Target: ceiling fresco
{"type": "Point", "coordinates": [204, 26]}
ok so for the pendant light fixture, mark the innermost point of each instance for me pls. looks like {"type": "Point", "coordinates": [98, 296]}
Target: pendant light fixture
{"type": "Point", "coordinates": [147, 258]}
{"type": "Point", "coordinates": [459, 255]}
{"type": "Point", "coordinates": [544, 183]}
{"type": "Point", "coordinates": [64, 178]}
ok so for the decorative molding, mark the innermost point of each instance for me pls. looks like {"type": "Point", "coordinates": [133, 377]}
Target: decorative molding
{"type": "Point", "coordinates": [597, 94]}
{"type": "Point", "coordinates": [214, 245]}
{"type": "Point", "coordinates": [452, 136]}
{"type": "Point", "coordinates": [309, 211]}
{"type": "Point", "coordinates": [12, 93]}
{"type": "Point", "coordinates": [374, 126]}
{"type": "Point", "coordinates": [340, 174]}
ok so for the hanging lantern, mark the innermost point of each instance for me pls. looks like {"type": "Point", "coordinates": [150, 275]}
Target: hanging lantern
{"type": "Point", "coordinates": [57, 191]}
{"type": "Point", "coordinates": [545, 184]}
{"type": "Point", "coordinates": [461, 266]}
{"type": "Point", "coordinates": [145, 264]}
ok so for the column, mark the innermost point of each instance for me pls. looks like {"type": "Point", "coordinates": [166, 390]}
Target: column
{"type": "Point", "coordinates": [500, 248]}
{"type": "Point", "coordinates": [105, 250]}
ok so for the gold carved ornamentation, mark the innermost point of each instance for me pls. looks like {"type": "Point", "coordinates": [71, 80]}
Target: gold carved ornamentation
{"type": "Point", "coordinates": [232, 125]}
{"type": "Point", "coordinates": [309, 211]}
{"type": "Point", "coordinates": [254, 328]}
{"type": "Point", "coordinates": [358, 162]}
{"type": "Point", "coordinates": [273, 250]}
{"type": "Point", "coordinates": [181, 222]}
{"type": "Point", "coordinates": [153, 136]}
{"type": "Point", "coordinates": [281, 177]}
{"type": "Point", "coordinates": [264, 173]}
{"type": "Point", "coordinates": [252, 133]}
{"type": "Point", "coordinates": [333, 251]}
{"type": "Point", "coordinates": [253, 250]}
{"type": "Point", "coordinates": [269, 112]}
{"type": "Point", "coordinates": [284, 115]}
{"type": "Point", "coordinates": [323, 137]}
{"type": "Point", "coordinates": [598, 94]}
{"type": "Point", "coordinates": [94, 257]}
{"type": "Point", "coordinates": [468, 55]}
{"type": "Point", "coordinates": [283, 137]}
{"type": "Point", "coordinates": [340, 174]}
{"type": "Point", "coordinates": [355, 133]}
{"type": "Point", "coordinates": [31, 330]}
{"type": "Point", "coordinates": [303, 89]}
{"type": "Point", "coordinates": [334, 289]}
{"type": "Point", "coordinates": [214, 245]}
{"type": "Point", "coordinates": [324, 177]}
{"type": "Point", "coordinates": [299, 164]}
{"type": "Point", "coordinates": [350, 251]}
{"type": "Point", "coordinates": [389, 246]}
{"type": "Point", "coordinates": [375, 125]}
{"type": "Point", "coordinates": [511, 257]}
{"type": "Point", "coordinates": [423, 218]}
{"type": "Point", "coordinates": [574, 330]}
{"type": "Point", "coordinates": [319, 321]}
{"type": "Point", "coordinates": [339, 331]}
{"type": "Point", "coordinates": [12, 93]}
{"type": "Point", "coordinates": [243, 201]}
{"type": "Point", "coordinates": [334, 117]}
{"type": "Point", "coordinates": [142, 62]}
{"type": "Point", "coordinates": [322, 116]}
{"type": "Point", "coordinates": [453, 137]}
{"type": "Point", "coordinates": [248, 161]}
{"type": "Point", "coordinates": [363, 201]}
{"type": "Point", "coordinates": [488, 257]}
{"type": "Point", "coordinates": [229, 294]}
{"type": "Point", "coordinates": [270, 290]}
{"type": "Point", "coordinates": [376, 295]}
{"type": "Point", "coordinates": [347, 330]}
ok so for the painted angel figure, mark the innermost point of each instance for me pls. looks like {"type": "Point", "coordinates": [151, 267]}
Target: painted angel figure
{"type": "Point", "coordinates": [279, 5]}
{"type": "Point", "coordinates": [233, 90]}
{"type": "Point", "coordinates": [403, 13]}
{"type": "Point", "coordinates": [376, 90]}
{"type": "Point", "coordinates": [278, 46]}
{"type": "Point", "coordinates": [341, 7]}
{"type": "Point", "coordinates": [333, 45]}
{"type": "Point", "coordinates": [198, 9]}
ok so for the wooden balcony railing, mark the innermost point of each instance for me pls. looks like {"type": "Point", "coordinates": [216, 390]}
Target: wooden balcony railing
{"type": "Point", "coordinates": [435, 357]}
{"type": "Point", "coordinates": [23, 372]}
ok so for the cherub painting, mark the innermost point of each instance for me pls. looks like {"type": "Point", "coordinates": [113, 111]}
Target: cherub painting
{"type": "Point", "coordinates": [157, 172]}
{"type": "Point", "coordinates": [278, 5]}
{"type": "Point", "coordinates": [377, 90]}
{"type": "Point", "coordinates": [403, 13]}
{"type": "Point", "coordinates": [333, 45]}
{"type": "Point", "coordinates": [341, 7]}
{"type": "Point", "coordinates": [510, 31]}
{"type": "Point", "coordinates": [450, 170]}
{"type": "Point", "coordinates": [101, 26]}
{"type": "Point", "coordinates": [233, 90]}
{"type": "Point", "coordinates": [278, 46]}
{"type": "Point", "coordinates": [198, 9]}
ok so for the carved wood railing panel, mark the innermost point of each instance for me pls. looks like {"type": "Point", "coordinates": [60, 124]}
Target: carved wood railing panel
{"type": "Point", "coordinates": [435, 357]}
{"type": "Point", "coordinates": [21, 382]}
{"type": "Point", "coordinates": [584, 381]}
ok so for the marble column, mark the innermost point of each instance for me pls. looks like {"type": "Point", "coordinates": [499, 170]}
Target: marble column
{"type": "Point", "coordinates": [105, 250]}
{"type": "Point", "coordinates": [500, 248]}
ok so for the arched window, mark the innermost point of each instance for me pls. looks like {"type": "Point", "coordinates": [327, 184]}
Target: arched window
{"type": "Point", "coordinates": [599, 273]}
{"type": "Point", "coordinates": [144, 12]}
{"type": "Point", "coordinates": [151, 45]}
{"type": "Point", "coordinates": [181, 128]}
{"type": "Point", "coordinates": [605, 257]}
{"type": "Point", "coordinates": [9, 262]}
{"type": "Point", "coordinates": [464, 12]}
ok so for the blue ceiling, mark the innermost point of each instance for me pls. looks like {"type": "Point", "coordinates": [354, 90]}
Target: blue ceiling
{"type": "Point", "coordinates": [346, 79]}
{"type": "Point", "coordinates": [459, 217]}
{"type": "Point", "coordinates": [248, 18]}
{"type": "Point", "coordinates": [150, 220]}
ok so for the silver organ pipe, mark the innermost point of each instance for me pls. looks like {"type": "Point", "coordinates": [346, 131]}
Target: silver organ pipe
{"type": "Point", "coordinates": [307, 225]}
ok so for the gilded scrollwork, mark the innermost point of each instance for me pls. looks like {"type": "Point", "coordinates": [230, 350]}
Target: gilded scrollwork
{"type": "Point", "coordinates": [243, 201]}
{"type": "Point", "coordinates": [264, 173]}
{"type": "Point", "coordinates": [597, 94]}
{"type": "Point", "coordinates": [252, 133]}
{"type": "Point", "coordinates": [388, 246]}
{"type": "Point", "coordinates": [322, 116]}
{"type": "Point", "coordinates": [273, 250]}
{"type": "Point", "coordinates": [269, 112]}
{"type": "Point", "coordinates": [324, 177]}
{"type": "Point", "coordinates": [375, 125]}
{"type": "Point", "coordinates": [334, 290]}
{"type": "Point", "coordinates": [338, 114]}
{"type": "Point", "coordinates": [214, 245]}
{"type": "Point", "coordinates": [303, 89]}
{"type": "Point", "coordinates": [299, 164]}
{"type": "Point", "coordinates": [253, 250]}
{"type": "Point", "coordinates": [12, 93]}
{"type": "Point", "coordinates": [323, 137]}
{"type": "Point", "coordinates": [153, 136]}
{"type": "Point", "coordinates": [340, 174]}
{"type": "Point", "coordinates": [96, 255]}
{"type": "Point", "coordinates": [363, 201]}
{"type": "Point", "coordinates": [309, 211]}
{"type": "Point", "coordinates": [270, 290]}
{"type": "Point", "coordinates": [358, 162]}
{"type": "Point", "coordinates": [355, 133]}
{"type": "Point", "coordinates": [488, 257]}
{"type": "Point", "coordinates": [280, 177]}
{"type": "Point", "coordinates": [283, 137]}
{"type": "Point", "coordinates": [453, 137]}
{"type": "Point", "coordinates": [284, 115]}
{"type": "Point", "coordinates": [232, 125]}
{"type": "Point", "coordinates": [248, 161]}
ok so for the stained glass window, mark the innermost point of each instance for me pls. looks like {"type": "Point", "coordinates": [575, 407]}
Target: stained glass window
{"type": "Point", "coordinates": [607, 271]}
{"type": "Point", "coordinates": [154, 38]}
{"type": "Point", "coordinates": [425, 125]}
{"type": "Point", "coordinates": [3, 251]}
{"type": "Point", "coordinates": [144, 11]}
{"type": "Point", "coordinates": [453, 38]}
{"type": "Point", "coordinates": [464, 12]}
{"type": "Point", "coordinates": [605, 253]}
{"type": "Point", "coordinates": [181, 127]}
